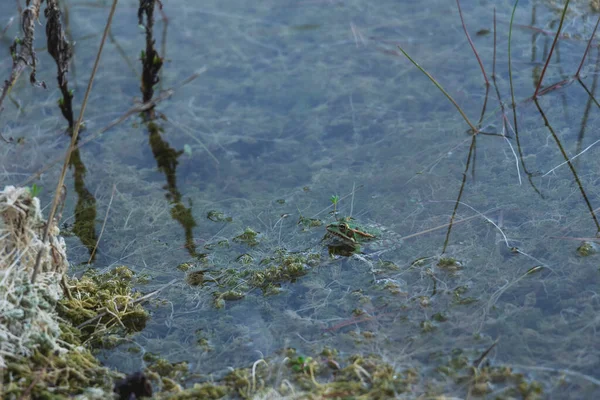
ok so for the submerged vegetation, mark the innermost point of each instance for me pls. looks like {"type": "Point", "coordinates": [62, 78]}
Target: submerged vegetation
{"type": "Point", "coordinates": [196, 258]}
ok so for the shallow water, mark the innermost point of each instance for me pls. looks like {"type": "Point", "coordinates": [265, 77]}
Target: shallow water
{"type": "Point", "coordinates": [302, 100]}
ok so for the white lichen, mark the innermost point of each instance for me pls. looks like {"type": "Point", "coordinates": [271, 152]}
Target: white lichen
{"type": "Point", "coordinates": [28, 319]}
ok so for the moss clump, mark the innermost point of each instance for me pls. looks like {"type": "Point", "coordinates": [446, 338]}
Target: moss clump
{"type": "Point", "coordinates": [234, 284]}
{"type": "Point", "coordinates": [107, 299]}
{"type": "Point", "coordinates": [325, 375]}
{"type": "Point", "coordinates": [49, 374]}
{"type": "Point", "coordinates": [207, 391]}
{"type": "Point", "coordinates": [218, 216]}
{"type": "Point", "coordinates": [166, 369]}
{"type": "Point", "coordinates": [249, 237]}
{"type": "Point", "coordinates": [449, 264]}
{"type": "Point", "coordinates": [586, 249]}
{"type": "Point", "coordinates": [195, 278]}
{"type": "Point", "coordinates": [184, 267]}
{"type": "Point", "coordinates": [307, 223]}
{"type": "Point", "coordinates": [283, 267]}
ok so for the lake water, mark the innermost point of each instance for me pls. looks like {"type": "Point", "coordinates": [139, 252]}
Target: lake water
{"type": "Point", "coordinates": [299, 101]}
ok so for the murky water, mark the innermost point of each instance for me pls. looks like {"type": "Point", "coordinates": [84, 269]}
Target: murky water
{"type": "Point", "coordinates": [302, 100]}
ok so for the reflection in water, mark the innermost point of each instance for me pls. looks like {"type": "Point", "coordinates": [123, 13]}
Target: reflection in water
{"type": "Point", "coordinates": [85, 210]}
{"type": "Point", "coordinates": [165, 156]}
{"type": "Point", "coordinates": [166, 160]}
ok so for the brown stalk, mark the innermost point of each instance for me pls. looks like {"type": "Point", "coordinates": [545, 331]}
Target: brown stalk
{"type": "Point", "coordinates": [587, 49]}
{"type": "Point", "coordinates": [571, 167]}
{"type": "Point", "coordinates": [514, 104]}
{"type": "Point", "coordinates": [487, 82]}
{"type": "Point", "coordinates": [460, 192]}
{"type": "Point", "coordinates": [562, 20]}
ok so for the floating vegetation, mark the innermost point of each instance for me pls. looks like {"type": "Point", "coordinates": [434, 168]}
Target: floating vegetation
{"type": "Point", "coordinates": [307, 223]}
{"type": "Point", "coordinates": [249, 237]}
{"type": "Point", "coordinates": [218, 216]}
{"type": "Point", "coordinates": [587, 248]}
{"type": "Point", "coordinates": [449, 264]}
{"type": "Point", "coordinates": [271, 272]}
{"type": "Point", "coordinates": [195, 278]}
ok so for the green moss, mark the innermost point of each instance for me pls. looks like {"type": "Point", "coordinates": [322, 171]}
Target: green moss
{"type": "Point", "coordinates": [185, 266]}
{"type": "Point", "coordinates": [248, 237]}
{"type": "Point", "coordinates": [307, 223]}
{"type": "Point", "coordinates": [449, 264]}
{"type": "Point", "coordinates": [195, 278]}
{"type": "Point", "coordinates": [204, 391]}
{"type": "Point", "coordinates": [56, 375]}
{"type": "Point", "coordinates": [166, 369]}
{"type": "Point", "coordinates": [232, 295]}
{"type": "Point", "coordinates": [587, 249]}
{"type": "Point", "coordinates": [439, 317]}
{"type": "Point", "coordinates": [218, 216]}
{"type": "Point", "coordinates": [108, 299]}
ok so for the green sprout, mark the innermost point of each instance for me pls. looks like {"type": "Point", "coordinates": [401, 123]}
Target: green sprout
{"type": "Point", "coordinates": [335, 199]}
{"type": "Point", "coordinates": [35, 190]}
{"type": "Point", "coordinates": [300, 364]}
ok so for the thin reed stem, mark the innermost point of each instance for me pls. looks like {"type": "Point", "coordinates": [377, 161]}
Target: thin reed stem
{"type": "Point", "coordinates": [587, 49]}
{"type": "Point", "coordinates": [514, 104]}
{"type": "Point", "coordinates": [432, 79]}
{"type": "Point", "coordinates": [460, 193]}
{"type": "Point", "coordinates": [510, 76]}
{"type": "Point", "coordinates": [494, 57]}
{"type": "Point", "coordinates": [462, 20]}
{"type": "Point", "coordinates": [562, 20]}
{"type": "Point", "coordinates": [571, 167]}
